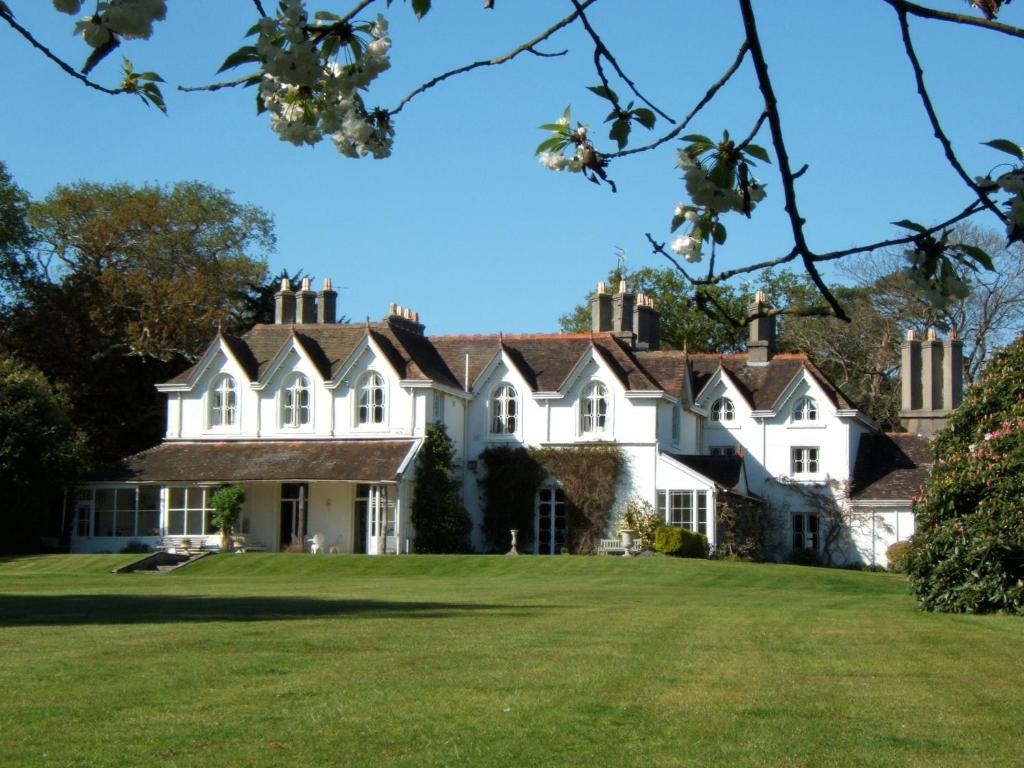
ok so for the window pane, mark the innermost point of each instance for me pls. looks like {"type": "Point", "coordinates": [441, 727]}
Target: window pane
{"type": "Point", "coordinates": [194, 522]}
{"type": "Point", "coordinates": [148, 523]}
{"type": "Point", "coordinates": [149, 497]}
{"type": "Point", "coordinates": [105, 499]}
{"type": "Point", "coordinates": [176, 522]}
{"type": "Point", "coordinates": [104, 525]}
{"type": "Point", "coordinates": [175, 498]}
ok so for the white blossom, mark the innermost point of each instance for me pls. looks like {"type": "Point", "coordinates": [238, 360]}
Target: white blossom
{"type": "Point", "coordinates": [554, 161]}
{"type": "Point", "coordinates": [1012, 182]}
{"type": "Point", "coordinates": [132, 18]}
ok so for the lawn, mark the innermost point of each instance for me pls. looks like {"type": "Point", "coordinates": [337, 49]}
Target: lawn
{"type": "Point", "coordinates": [288, 660]}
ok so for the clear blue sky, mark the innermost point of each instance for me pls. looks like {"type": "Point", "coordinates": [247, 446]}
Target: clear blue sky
{"type": "Point", "coordinates": [461, 223]}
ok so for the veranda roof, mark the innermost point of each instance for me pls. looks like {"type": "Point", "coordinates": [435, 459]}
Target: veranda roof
{"type": "Point", "coordinates": [276, 460]}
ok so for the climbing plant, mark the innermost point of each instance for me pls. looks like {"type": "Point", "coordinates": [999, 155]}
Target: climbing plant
{"type": "Point", "coordinates": [508, 486]}
{"type": "Point", "coordinates": [441, 522]}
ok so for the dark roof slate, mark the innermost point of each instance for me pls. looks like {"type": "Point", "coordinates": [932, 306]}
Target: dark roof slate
{"type": "Point", "coordinates": [725, 471]}
{"type": "Point", "coordinates": [890, 467]}
{"type": "Point", "coordinates": [247, 460]}
{"type": "Point", "coordinates": [761, 385]}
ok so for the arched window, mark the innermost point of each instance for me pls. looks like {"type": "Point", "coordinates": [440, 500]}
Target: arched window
{"type": "Point", "coordinates": [594, 409]}
{"type": "Point", "coordinates": [806, 409]}
{"type": "Point", "coordinates": [504, 410]}
{"type": "Point", "coordinates": [371, 399]}
{"type": "Point", "coordinates": [223, 402]}
{"type": "Point", "coordinates": [295, 402]}
{"type": "Point", "coordinates": [723, 410]}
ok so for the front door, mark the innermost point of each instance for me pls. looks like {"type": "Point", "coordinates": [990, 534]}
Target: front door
{"type": "Point", "coordinates": [552, 522]}
{"type": "Point", "coordinates": [294, 514]}
{"type": "Point", "coordinates": [374, 521]}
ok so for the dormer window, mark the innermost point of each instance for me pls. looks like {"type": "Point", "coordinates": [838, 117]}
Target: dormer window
{"type": "Point", "coordinates": [806, 409]}
{"type": "Point", "coordinates": [295, 410]}
{"type": "Point", "coordinates": [371, 399]}
{"type": "Point", "coordinates": [594, 409]}
{"type": "Point", "coordinates": [504, 410]}
{"type": "Point", "coordinates": [223, 402]}
{"type": "Point", "coordinates": [723, 410]}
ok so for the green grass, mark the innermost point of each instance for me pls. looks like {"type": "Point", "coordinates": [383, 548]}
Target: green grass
{"type": "Point", "coordinates": [288, 660]}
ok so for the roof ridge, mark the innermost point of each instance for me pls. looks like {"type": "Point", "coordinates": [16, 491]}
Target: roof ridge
{"type": "Point", "coordinates": [515, 336]}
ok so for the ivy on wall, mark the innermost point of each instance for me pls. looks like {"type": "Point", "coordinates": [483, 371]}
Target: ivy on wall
{"type": "Point", "coordinates": [588, 474]}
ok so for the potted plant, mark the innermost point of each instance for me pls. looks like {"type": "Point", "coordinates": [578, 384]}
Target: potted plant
{"type": "Point", "coordinates": [227, 506]}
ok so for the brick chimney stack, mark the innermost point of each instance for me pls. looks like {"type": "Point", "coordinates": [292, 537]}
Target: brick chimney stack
{"type": "Point", "coordinates": [623, 304]}
{"type": "Point", "coordinates": [327, 304]}
{"type": "Point", "coordinates": [284, 304]}
{"type": "Point", "coordinates": [761, 344]}
{"type": "Point", "coordinates": [646, 323]}
{"type": "Point", "coordinates": [305, 304]}
{"type": "Point", "coordinates": [601, 310]}
{"type": "Point", "coordinates": [931, 381]}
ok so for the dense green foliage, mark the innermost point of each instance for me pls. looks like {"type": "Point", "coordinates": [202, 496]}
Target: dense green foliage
{"type": "Point", "coordinates": [968, 552]}
{"type": "Point", "coordinates": [640, 516]}
{"type": "Point", "coordinates": [680, 542]}
{"type": "Point", "coordinates": [227, 506]}
{"type": "Point", "coordinates": [894, 555]}
{"type": "Point", "coordinates": [41, 451]}
{"type": "Point", "coordinates": [15, 235]}
{"type": "Point", "coordinates": [407, 661]}
{"type": "Point", "coordinates": [509, 484]}
{"type": "Point", "coordinates": [442, 524]}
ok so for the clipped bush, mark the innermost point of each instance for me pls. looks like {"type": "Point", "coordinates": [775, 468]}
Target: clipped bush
{"type": "Point", "coordinates": [967, 555]}
{"type": "Point", "coordinates": [805, 556]}
{"type": "Point", "coordinates": [679, 542]}
{"type": "Point", "coordinates": [894, 555]}
{"type": "Point", "coordinates": [442, 523]}
{"type": "Point", "coordinates": [135, 548]}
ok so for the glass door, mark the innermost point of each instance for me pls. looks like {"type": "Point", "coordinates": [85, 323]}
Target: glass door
{"type": "Point", "coordinates": [294, 514]}
{"type": "Point", "coordinates": [552, 522]}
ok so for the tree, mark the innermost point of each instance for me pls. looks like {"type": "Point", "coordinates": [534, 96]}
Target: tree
{"type": "Point", "coordinates": [314, 74]}
{"type": "Point", "coordinates": [968, 552]}
{"type": "Point", "coordinates": [41, 452]}
{"type": "Point", "coordinates": [15, 236]}
{"type": "Point", "coordinates": [442, 524]}
{"type": "Point", "coordinates": [227, 506]}
{"type": "Point", "coordinates": [124, 287]}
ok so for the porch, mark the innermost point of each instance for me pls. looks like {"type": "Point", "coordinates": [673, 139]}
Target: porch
{"type": "Point", "coordinates": [352, 496]}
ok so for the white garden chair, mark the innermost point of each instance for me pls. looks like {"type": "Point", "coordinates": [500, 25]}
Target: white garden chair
{"type": "Point", "coordinates": [316, 544]}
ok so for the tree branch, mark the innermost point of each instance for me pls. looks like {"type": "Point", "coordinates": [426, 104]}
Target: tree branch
{"type": "Point", "coordinates": [774, 122]}
{"type": "Point", "coordinates": [680, 127]}
{"type": "Point", "coordinates": [601, 50]}
{"type": "Point", "coordinates": [246, 80]}
{"type": "Point", "coordinates": [9, 18]}
{"type": "Point", "coordinates": [525, 47]}
{"type": "Point", "coordinates": [957, 18]}
{"type": "Point", "coordinates": [933, 118]}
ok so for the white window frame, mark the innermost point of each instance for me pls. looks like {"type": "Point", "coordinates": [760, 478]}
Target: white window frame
{"type": "Point", "coordinates": [805, 460]}
{"type": "Point", "coordinates": [805, 410]}
{"type": "Point", "coordinates": [593, 420]}
{"type": "Point", "coordinates": [223, 402]}
{"type": "Point", "coordinates": [723, 410]}
{"type": "Point", "coordinates": [687, 509]}
{"type": "Point", "coordinates": [505, 411]}
{"type": "Point", "coordinates": [120, 513]}
{"type": "Point", "coordinates": [437, 408]}
{"type": "Point", "coordinates": [368, 409]}
{"type": "Point", "coordinates": [806, 531]}
{"type": "Point", "coordinates": [195, 498]}
{"type": "Point", "coordinates": [293, 413]}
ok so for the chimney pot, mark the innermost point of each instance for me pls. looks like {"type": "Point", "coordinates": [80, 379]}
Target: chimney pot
{"type": "Point", "coordinates": [622, 286]}
{"type": "Point", "coordinates": [284, 304]}
{"type": "Point", "coordinates": [601, 287]}
{"type": "Point", "coordinates": [327, 304]}
{"type": "Point", "coordinates": [932, 335]}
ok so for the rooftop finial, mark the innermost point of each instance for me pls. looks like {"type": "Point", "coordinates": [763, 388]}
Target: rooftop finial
{"type": "Point", "coordinates": [286, 284]}
{"type": "Point", "coordinates": [327, 284]}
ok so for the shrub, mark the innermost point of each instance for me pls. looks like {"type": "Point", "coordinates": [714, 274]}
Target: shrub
{"type": "Point", "coordinates": [135, 548]}
{"type": "Point", "coordinates": [640, 516]}
{"type": "Point", "coordinates": [895, 554]}
{"type": "Point", "coordinates": [441, 522]}
{"type": "Point", "coordinates": [968, 552]}
{"type": "Point", "coordinates": [679, 542]}
{"type": "Point", "coordinates": [227, 506]}
{"type": "Point", "coordinates": [805, 556]}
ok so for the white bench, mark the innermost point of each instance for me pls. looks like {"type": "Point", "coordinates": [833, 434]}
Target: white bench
{"type": "Point", "coordinates": [614, 547]}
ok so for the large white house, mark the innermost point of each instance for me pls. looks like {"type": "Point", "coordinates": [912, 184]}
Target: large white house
{"type": "Point", "coordinates": [320, 422]}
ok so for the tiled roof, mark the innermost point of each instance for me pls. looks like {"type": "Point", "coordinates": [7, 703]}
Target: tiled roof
{"type": "Point", "coordinates": [544, 360]}
{"type": "Point", "coordinates": [279, 460]}
{"type": "Point", "coordinates": [725, 471]}
{"type": "Point", "coordinates": [761, 385]}
{"type": "Point", "coordinates": [890, 467]}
